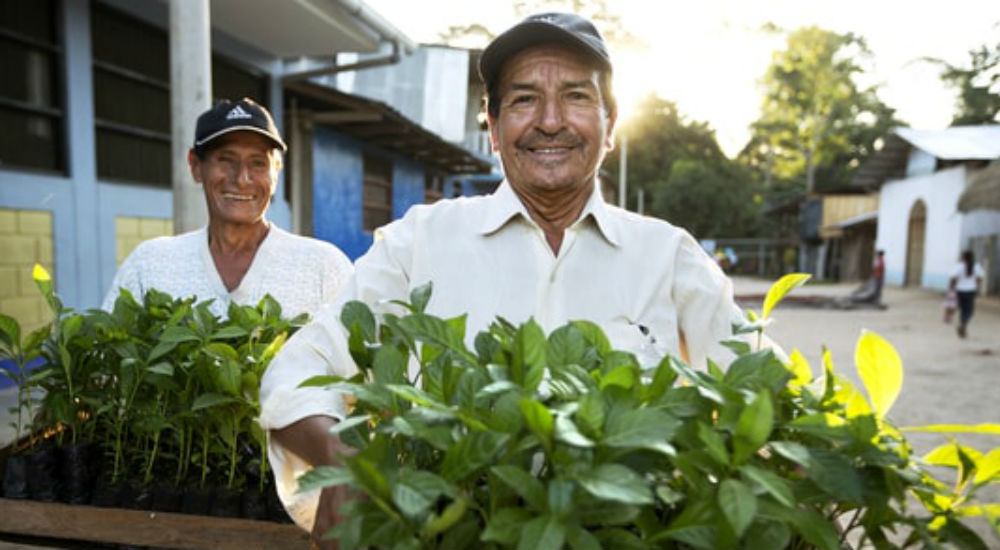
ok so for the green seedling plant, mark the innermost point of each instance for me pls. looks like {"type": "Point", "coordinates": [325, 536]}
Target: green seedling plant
{"type": "Point", "coordinates": [539, 441]}
{"type": "Point", "coordinates": [166, 389]}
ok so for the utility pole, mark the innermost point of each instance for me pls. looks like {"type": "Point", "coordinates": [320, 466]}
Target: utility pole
{"type": "Point", "coordinates": [623, 170]}
{"type": "Point", "coordinates": [190, 95]}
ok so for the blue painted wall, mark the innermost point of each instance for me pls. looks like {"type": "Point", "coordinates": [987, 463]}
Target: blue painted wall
{"type": "Point", "coordinates": [337, 179]}
{"type": "Point", "coordinates": [337, 172]}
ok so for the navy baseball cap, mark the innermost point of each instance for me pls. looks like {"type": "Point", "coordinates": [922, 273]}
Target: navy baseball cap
{"type": "Point", "coordinates": [230, 116]}
{"type": "Point", "coordinates": [567, 29]}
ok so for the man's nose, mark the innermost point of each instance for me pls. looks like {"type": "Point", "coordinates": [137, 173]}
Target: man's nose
{"type": "Point", "coordinates": [551, 118]}
{"type": "Point", "coordinates": [243, 173]}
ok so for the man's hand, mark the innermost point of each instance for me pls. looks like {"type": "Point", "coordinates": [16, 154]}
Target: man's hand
{"type": "Point", "coordinates": [328, 515]}
{"type": "Point", "coordinates": [310, 439]}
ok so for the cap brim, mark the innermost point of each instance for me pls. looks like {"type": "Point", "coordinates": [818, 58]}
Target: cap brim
{"type": "Point", "coordinates": [533, 33]}
{"type": "Point", "coordinates": [207, 139]}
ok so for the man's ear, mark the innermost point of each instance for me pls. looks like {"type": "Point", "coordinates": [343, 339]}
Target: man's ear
{"type": "Point", "coordinates": [494, 134]}
{"type": "Point", "coordinates": [194, 164]}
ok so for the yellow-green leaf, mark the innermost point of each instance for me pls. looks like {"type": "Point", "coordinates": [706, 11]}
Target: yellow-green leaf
{"type": "Point", "coordinates": [800, 369]}
{"type": "Point", "coordinates": [856, 404]}
{"type": "Point", "coordinates": [880, 370]}
{"type": "Point", "coordinates": [40, 274]}
{"type": "Point", "coordinates": [989, 429]}
{"type": "Point", "coordinates": [947, 455]}
{"type": "Point", "coordinates": [988, 466]}
{"type": "Point", "coordinates": [780, 288]}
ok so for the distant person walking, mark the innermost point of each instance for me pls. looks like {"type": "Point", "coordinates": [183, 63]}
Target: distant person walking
{"type": "Point", "coordinates": [965, 281]}
{"type": "Point", "coordinates": [878, 275]}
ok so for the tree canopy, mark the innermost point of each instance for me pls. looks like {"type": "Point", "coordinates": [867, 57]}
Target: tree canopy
{"type": "Point", "coordinates": [816, 125]}
{"type": "Point", "coordinates": [978, 86]}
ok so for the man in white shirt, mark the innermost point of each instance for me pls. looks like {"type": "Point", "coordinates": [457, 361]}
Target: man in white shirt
{"type": "Point", "coordinates": [239, 256]}
{"type": "Point", "coordinates": [544, 246]}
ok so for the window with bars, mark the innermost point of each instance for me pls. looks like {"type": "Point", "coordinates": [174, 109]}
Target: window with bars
{"type": "Point", "coordinates": [31, 102]}
{"type": "Point", "coordinates": [132, 96]}
{"type": "Point", "coordinates": [376, 194]}
{"type": "Point", "coordinates": [131, 63]}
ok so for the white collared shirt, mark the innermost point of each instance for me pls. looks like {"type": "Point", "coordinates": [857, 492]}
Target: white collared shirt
{"type": "Point", "coordinates": [301, 273]}
{"type": "Point", "coordinates": [641, 279]}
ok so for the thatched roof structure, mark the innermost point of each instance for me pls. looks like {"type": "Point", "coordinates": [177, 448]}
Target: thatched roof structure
{"type": "Point", "coordinates": [983, 191]}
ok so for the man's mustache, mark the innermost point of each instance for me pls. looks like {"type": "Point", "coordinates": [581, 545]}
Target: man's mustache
{"type": "Point", "coordinates": [541, 140]}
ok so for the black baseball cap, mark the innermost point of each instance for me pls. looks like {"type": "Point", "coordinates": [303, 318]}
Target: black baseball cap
{"type": "Point", "coordinates": [230, 116]}
{"type": "Point", "coordinates": [567, 29]}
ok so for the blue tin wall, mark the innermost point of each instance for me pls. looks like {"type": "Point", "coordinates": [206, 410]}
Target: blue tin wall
{"type": "Point", "coordinates": [337, 175]}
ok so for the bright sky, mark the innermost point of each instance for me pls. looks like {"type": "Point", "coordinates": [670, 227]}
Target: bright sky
{"type": "Point", "coordinates": [709, 56]}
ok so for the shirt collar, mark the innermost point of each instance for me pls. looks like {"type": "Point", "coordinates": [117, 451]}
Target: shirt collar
{"type": "Point", "coordinates": [504, 204]}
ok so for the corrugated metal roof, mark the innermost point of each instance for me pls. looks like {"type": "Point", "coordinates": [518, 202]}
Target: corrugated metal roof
{"type": "Point", "coordinates": [957, 143]}
{"type": "Point", "coordinates": [954, 144]}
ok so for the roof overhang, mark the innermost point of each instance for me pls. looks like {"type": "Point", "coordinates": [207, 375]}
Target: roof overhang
{"type": "Point", "coordinates": [957, 143]}
{"type": "Point", "coordinates": [301, 28]}
{"type": "Point", "coordinates": [375, 123]}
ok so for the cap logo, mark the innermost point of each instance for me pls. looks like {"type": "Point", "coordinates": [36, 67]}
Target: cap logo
{"type": "Point", "coordinates": [238, 112]}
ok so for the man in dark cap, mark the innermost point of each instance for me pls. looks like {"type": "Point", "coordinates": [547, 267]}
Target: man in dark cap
{"type": "Point", "coordinates": [239, 256]}
{"type": "Point", "coordinates": [544, 246]}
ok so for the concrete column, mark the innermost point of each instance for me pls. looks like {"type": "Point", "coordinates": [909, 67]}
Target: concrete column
{"type": "Point", "coordinates": [190, 95]}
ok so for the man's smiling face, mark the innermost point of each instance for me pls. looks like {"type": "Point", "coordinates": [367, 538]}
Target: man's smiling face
{"type": "Point", "coordinates": [239, 176]}
{"type": "Point", "coordinates": [553, 127]}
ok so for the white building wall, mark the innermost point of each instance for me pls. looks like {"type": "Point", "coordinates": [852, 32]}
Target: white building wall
{"type": "Point", "coordinates": [939, 192]}
{"type": "Point", "coordinates": [429, 87]}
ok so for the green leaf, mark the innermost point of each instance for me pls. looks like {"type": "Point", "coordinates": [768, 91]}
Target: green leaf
{"type": "Point", "coordinates": [567, 432]}
{"type": "Point", "coordinates": [641, 428]}
{"type": "Point", "coordinates": [389, 366]}
{"type": "Point", "coordinates": [528, 361]}
{"type": "Point", "coordinates": [539, 420]}
{"type": "Point", "coordinates": [593, 334]}
{"type": "Point", "coordinates": [505, 525]}
{"type": "Point", "coordinates": [767, 534]}
{"type": "Point", "coordinates": [436, 331]}
{"type": "Point", "coordinates": [753, 427]}
{"type": "Point", "coordinates": [796, 452]}
{"type": "Point", "coordinates": [617, 483]}
{"type": "Point", "coordinates": [165, 369]}
{"type": "Point", "coordinates": [880, 370]}
{"type": "Point", "coordinates": [770, 482]}
{"type": "Point", "coordinates": [416, 491]}
{"type": "Point", "coordinates": [780, 288]}
{"type": "Point", "coordinates": [348, 423]}
{"type": "Point", "coordinates": [452, 513]}
{"type": "Point", "coordinates": [581, 539]}
{"type": "Point", "coordinates": [834, 473]}
{"type": "Point", "coordinates": [529, 488]}
{"type": "Point", "coordinates": [10, 333]}
{"type": "Point", "coordinates": [738, 505]}
{"type": "Point", "coordinates": [358, 313]}
{"type": "Point", "coordinates": [229, 332]}
{"type": "Point", "coordinates": [471, 453]}
{"type": "Point", "coordinates": [321, 477]}
{"type": "Point", "coordinates": [566, 346]}
{"type": "Point", "coordinates": [713, 443]}
{"type": "Point", "coordinates": [207, 400]}
{"type": "Point", "coordinates": [591, 413]}
{"type": "Point", "coordinates": [542, 533]}
{"type": "Point", "coordinates": [420, 295]}
{"type": "Point", "coordinates": [416, 396]}
{"type": "Point", "coordinates": [368, 476]}
{"type": "Point", "coordinates": [177, 335]}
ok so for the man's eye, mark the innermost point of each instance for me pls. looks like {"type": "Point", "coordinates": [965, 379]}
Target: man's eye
{"type": "Point", "coordinates": [522, 99]}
